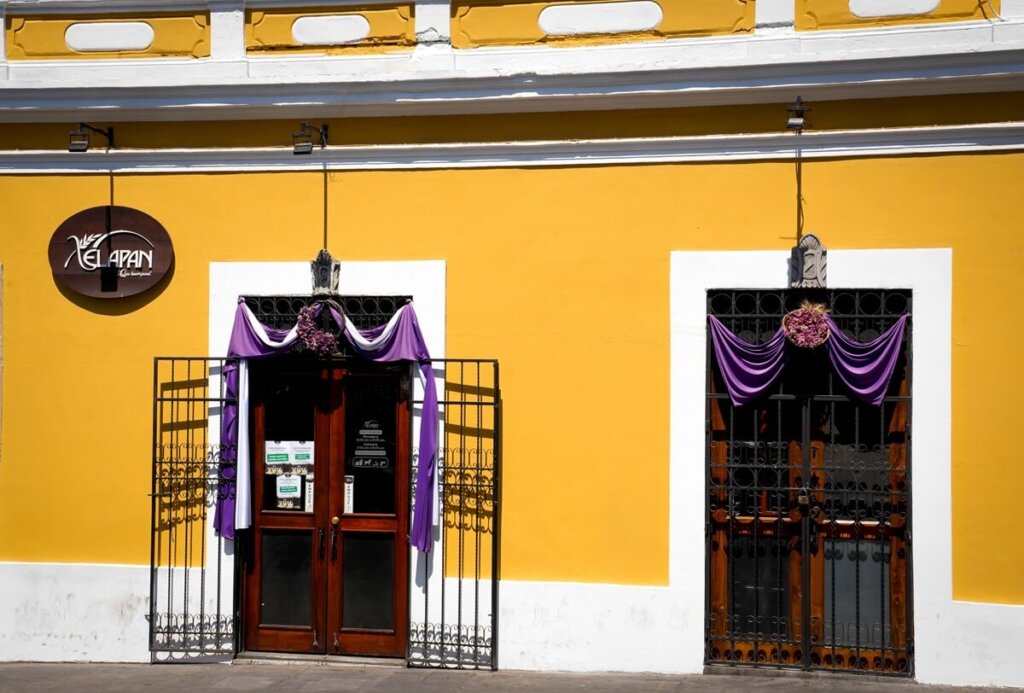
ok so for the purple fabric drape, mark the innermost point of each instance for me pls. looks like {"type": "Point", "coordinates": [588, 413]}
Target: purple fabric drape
{"type": "Point", "coordinates": [750, 369]}
{"type": "Point", "coordinates": [404, 342]}
{"type": "Point", "coordinates": [244, 343]}
{"type": "Point", "coordinates": [224, 513]}
{"type": "Point", "coordinates": [865, 368]}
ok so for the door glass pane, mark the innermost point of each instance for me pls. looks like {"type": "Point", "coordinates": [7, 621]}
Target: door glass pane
{"type": "Point", "coordinates": [761, 599]}
{"type": "Point", "coordinates": [286, 584]}
{"type": "Point", "coordinates": [368, 599]}
{"type": "Point", "coordinates": [290, 415]}
{"type": "Point", "coordinates": [856, 576]}
{"type": "Point", "coordinates": [370, 438]}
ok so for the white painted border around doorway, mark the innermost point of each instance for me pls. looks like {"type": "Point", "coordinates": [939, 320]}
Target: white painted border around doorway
{"type": "Point", "coordinates": [424, 280]}
{"type": "Point", "coordinates": [956, 642]}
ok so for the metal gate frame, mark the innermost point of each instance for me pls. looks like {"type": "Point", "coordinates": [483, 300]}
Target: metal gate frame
{"type": "Point", "coordinates": [194, 574]}
{"type": "Point", "coordinates": [453, 608]}
{"type": "Point", "coordinates": [192, 570]}
{"type": "Point", "coordinates": [755, 321]}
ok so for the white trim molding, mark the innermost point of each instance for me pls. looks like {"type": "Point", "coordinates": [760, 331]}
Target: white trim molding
{"type": "Point", "coordinates": [775, 15]}
{"type": "Point", "coordinates": [990, 137]}
{"type": "Point", "coordinates": [434, 24]}
{"type": "Point", "coordinates": [955, 642]}
{"type": "Point", "coordinates": [89, 37]}
{"type": "Point", "coordinates": [330, 30]}
{"type": "Point", "coordinates": [600, 18]}
{"type": "Point", "coordinates": [227, 30]}
{"type": "Point", "coordinates": [891, 8]}
{"type": "Point", "coordinates": [763, 67]}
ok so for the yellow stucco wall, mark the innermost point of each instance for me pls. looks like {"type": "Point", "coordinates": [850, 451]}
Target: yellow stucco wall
{"type": "Point", "coordinates": [540, 262]}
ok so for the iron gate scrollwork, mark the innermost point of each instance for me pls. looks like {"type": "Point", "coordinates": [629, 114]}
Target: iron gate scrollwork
{"type": "Point", "coordinates": [454, 602]}
{"type": "Point", "coordinates": [191, 609]}
{"type": "Point", "coordinates": [808, 500]}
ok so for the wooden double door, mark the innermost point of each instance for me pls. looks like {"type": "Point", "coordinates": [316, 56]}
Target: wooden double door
{"type": "Point", "coordinates": [326, 570]}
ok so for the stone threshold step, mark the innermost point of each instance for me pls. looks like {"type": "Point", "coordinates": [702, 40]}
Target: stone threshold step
{"type": "Point", "coordinates": [318, 660]}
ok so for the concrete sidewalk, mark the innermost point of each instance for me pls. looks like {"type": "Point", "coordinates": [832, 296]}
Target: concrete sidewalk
{"type": "Point", "coordinates": [86, 678]}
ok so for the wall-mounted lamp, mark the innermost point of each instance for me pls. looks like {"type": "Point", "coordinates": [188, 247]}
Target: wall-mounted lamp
{"type": "Point", "coordinates": [302, 141]}
{"type": "Point", "coordinates": [78, 139]}
{"type": "Point", "coordinates": [797, 112]}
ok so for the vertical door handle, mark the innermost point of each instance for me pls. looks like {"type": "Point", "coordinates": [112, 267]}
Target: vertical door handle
{"type": "Point", "coordinates": [334, 537]}
{"type": "Point", "coordinates": [320, 532]}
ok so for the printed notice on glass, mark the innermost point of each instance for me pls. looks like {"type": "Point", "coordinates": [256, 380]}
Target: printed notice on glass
{"type": "Point", "coordinates": [289, 486]}
{"type": "Point", "coordinates": [370, 447]}
{"type": "Point", "coordinates": [289, 491]}
{"type": "Point", "coordinates": [350, 489]}
{"type": "Point", "coordinates": [301, 454]}
{"type": "Point", "coordinates": [277, 456]}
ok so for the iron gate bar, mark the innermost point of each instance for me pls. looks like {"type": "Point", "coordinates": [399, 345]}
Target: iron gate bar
{"type": "Point", "coordinates": [857, 490]}
{"type": "Point", "coordinates": [469, 641]}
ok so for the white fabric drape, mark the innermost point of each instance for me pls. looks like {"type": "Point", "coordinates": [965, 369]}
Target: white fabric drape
{"type": "Point", "coordinates": [243, 484]}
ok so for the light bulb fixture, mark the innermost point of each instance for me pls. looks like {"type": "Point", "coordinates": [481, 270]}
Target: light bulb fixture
{"type": "Point", "coordinates": [302, 141]}
{"type": "Point", "coordinates": [78, 139]}
{"type": "Point", "coordinates": [797, 116]}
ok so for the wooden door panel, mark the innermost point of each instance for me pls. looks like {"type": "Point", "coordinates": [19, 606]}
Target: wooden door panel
{"type": "Point", "coordinates": [314, 575]}
{"type": "Point", "coordinates": [368, 583]}
{"type": "Point", "coordinates": [284, 589]}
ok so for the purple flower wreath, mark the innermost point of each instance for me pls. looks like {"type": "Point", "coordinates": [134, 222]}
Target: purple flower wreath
{"type": "Point", "coordinates": [805, 327]}
{"type": "Point", "coordinates": [320, 341]}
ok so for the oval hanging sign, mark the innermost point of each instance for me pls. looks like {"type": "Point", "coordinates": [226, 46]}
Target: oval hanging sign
{"type": "Point", "coordinates": [110, 252]}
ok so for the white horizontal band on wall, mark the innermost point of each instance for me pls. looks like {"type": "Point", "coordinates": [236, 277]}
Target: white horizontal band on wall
{"type": "Point", "coordinates": [90, 37]}
{"type": "Point", "coordinates": [866, 62]}
{"type": "Point", "coordinates": [997, 137]}
{"type": "Point", "coordinates": [891, 8]}
{"type": "Point", "coordinates": [330, 30]}
{"type": "Point", "coordinates": [600, 18]}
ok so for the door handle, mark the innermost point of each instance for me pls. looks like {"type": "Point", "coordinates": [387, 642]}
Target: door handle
{"type": "Point", "coordinates": [320, 532]}
{"type": "Point", "coordinates": [334, 537]}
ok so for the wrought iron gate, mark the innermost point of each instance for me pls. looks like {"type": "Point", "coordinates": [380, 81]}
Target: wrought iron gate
{"type": "Point", "coordinates": [808, 501]}
{"type": "Point", "coordinates": [193, 578]}
{"type": "Point", "coordinates": [454, 605]}
{"type": "Point", "coordinates": [191, 609]}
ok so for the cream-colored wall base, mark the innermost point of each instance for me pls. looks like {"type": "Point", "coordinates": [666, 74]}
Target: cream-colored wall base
{"type": "Point", "coordinates": [74, 612]}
